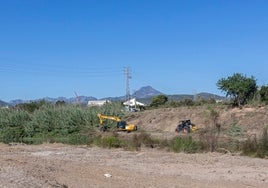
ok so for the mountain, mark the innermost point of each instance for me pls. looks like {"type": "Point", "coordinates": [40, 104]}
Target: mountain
{"type": "Point", "coordinates": [146, 92]}
{"type": "Point", "coordinates": [203, 95]}
{"type": "Point", "coordinates": [79, 99]}
{"type": "Point", "coordinates": [207, 96]}
{"type": "Point", "coordinates": [3, 103]}
{"type": "Point", "coordinates": [144, 95]}
{"type": "Point", "coordinates": [17, 101]}
{"type": "Point", "coordinates": [180, 97]}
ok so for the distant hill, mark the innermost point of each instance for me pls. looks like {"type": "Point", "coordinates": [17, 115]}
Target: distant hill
{"type": "Point", "coordinates": [180, 97]}
{"type": "Point", "coordinates": [202, 95]}
{"type": "Point", "coordinates": [80, 99]}
{"type": "Point", "coordinates": [17, 101]}
{"type": "Point", "coordinates": [146, 92]}
{"type": "Point", "coordinates": [207, 96]}
{"type": "Point", "coordinates": [3, 103]}
{"type": "Point", "coordinates": [72, 100]}
{"type": "Point", "coordinates": [144, 95]}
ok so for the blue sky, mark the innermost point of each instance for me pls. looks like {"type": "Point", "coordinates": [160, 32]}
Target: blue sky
{"type": "Point", "coordinates": [51, 48]}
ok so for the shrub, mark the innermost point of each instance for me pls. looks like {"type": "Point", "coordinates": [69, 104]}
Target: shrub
{"type": "Point", "coordinates": [14, 126]}
{"type": "Point", "coordinates": [184, 144]}
{"type": "Point", "coordinates": [209, 135]}
{"type": "Point", "coordinates": [264, 94]}
{"type": "Point", "coordinates": [142, 139]}
{"type": "Point", "coordinates": [235, 130]}
{"type": "Point", "coordinates": [158, 100]}
{"type": "Point", "coordinates": [250, 146]}
{"type": "Point", "coordinates": [254, 147]}
{"type": "Point", "coordinates": [108, 142]}
{"type": "Point", "coordinates": [32, 106]}
{"type": "Point", "coordinates": [263, 144]}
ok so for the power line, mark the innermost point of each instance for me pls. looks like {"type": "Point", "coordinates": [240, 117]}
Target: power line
{"type": "Point", "coordinates": [63, 70]}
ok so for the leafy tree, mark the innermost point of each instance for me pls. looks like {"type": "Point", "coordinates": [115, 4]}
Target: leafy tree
{"type": "Point", "coordinates": [159, 100]}
{"type": "Point", "coordinates": [264, 94]}
{"type": "Point", "coordinates": [187, 102]}
{"type": "Point", "coordinates": [32, 106]}
{"type": "Point", "coordinates": [60, 102]}
{"type": "Point", "coordinates": [240, 88]}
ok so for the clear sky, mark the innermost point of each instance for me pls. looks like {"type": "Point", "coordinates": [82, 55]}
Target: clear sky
{"type": "Point", "coordinates": [51, 48]}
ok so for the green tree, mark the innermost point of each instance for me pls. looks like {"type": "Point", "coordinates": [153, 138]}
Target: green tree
{"type": "Point", "coordinates": [264, 94]}
{"type": "Point", "coordinates": [60, 103]}
{"type": "Point", "coordinates": [32, 106]}
{"type": "Point", "coordinates": [159, 100]}
{"type": "Point", "coordinates": [240, 88]}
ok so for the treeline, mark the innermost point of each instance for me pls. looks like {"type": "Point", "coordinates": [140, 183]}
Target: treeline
{"type": "Point", "coordinates": [239, 90]}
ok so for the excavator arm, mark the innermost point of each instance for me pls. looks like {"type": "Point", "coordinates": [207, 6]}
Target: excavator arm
{"type": "Point", "coordinates": [102, 117]}
{"type": "Point", "coordinates": [121, 125]}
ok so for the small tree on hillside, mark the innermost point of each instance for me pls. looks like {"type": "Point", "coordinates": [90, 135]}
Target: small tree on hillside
{"type": "Point", "coordinates": [264, 94]}
{"type": "Point", "coordinates": [159, 100]}
{"type": "Point", "coordinates": [240, 88]}
{"type": "Point", "coordinates": [209, 136]}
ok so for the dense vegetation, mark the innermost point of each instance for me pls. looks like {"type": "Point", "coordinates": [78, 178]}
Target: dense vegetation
{"type": "Point", "coordinates": [39, 122]}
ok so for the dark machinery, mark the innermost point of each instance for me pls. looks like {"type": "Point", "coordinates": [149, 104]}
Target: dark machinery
{"type": "Point", "coordinates": [186, 126]}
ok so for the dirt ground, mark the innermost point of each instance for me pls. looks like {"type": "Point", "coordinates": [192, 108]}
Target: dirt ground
{"type": "Point", "coordinates": [58, 165]}
{"type": "Point", "coordinates": [252, 120]}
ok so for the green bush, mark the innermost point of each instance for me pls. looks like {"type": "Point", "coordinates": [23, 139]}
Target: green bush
{"type": "Point", "coordinates": [60, 120]}
{"type": "Point", "coordinates": [158, 100]}
{"type": "Point", "coordinates": [109, 142]}
{"type": "Point", "coordinates": [75, 139]}
{"type": "Point", "coordinates": [14, 125]}
{"type": "Point", "coordinates": [235, 131]}
{"type": "Point", "coordinates": [254, 147]}
{"type": "Point", "coordinates": [250, 146]}
{"type": "Point", "coordinates": [139, 140]}
{"type": "Point", "coordinates": [184, 144]}
{"type": "Point", "coordinates": [264, 94]}
{"type": "Point", "coordinates": [32, 106]}
{"type": "Point", "coordinates": [263, 144]}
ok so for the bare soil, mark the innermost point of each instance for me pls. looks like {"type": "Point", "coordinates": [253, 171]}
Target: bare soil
{"type": "Point", "coordinates": [58, 165]}
{"type": "Point", "coordinates": [252, 120]}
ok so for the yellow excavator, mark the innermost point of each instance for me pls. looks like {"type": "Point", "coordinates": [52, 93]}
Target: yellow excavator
{"type": "Point", "coordinates": [121, 125]}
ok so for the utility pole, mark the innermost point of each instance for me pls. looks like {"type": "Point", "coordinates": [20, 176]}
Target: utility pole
{"type": "Point", "coordinates": [128, 76]}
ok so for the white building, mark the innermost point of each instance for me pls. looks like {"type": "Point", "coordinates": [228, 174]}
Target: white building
{"type": "Point", "coordinates": [98, 102]}
{"type": "Point", "coordinates": [133, 105]}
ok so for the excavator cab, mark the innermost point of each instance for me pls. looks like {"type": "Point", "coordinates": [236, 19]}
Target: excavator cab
{"type": "Point", "coordinates": [121, 124]}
